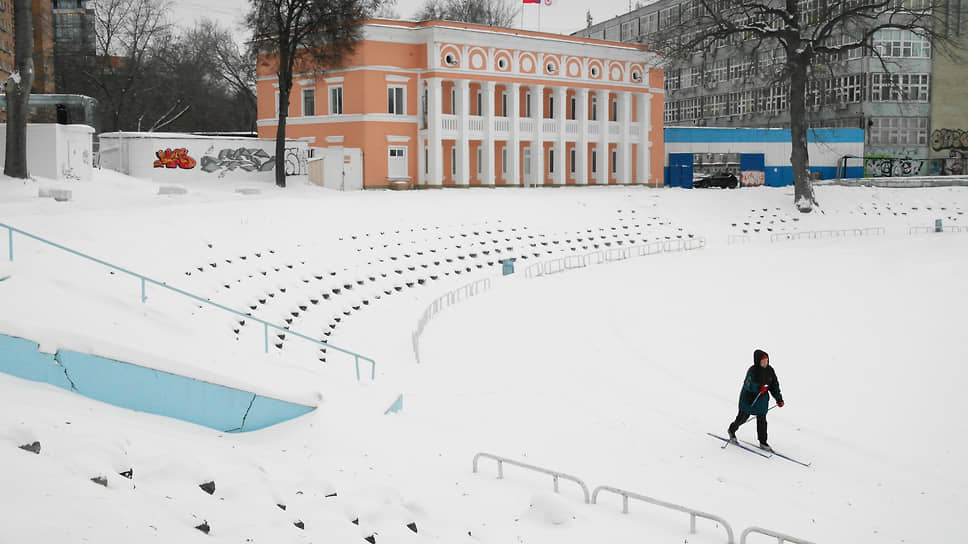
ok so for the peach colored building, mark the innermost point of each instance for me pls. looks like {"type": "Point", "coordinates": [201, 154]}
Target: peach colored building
{"type": "Point", "coordinates": [439, 103]}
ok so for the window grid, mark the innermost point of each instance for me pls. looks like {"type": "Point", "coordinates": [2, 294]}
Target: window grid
{"type": "Point", "coordinates": [336, 100]}
{"type": "Point", "coordinates": [395, 101]}
{"type": "Point", "coordinates": [308, 102]}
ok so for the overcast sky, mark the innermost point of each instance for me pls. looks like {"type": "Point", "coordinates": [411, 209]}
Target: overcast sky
{"type": "Point", "coordinates": [562, 16]}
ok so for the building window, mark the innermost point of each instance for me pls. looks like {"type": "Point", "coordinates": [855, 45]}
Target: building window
{"type": "Point", "coordinates": [336, 100]}
{"type": "Point", "coordinates": [480, 161]}
{"type": "Point", "coordinates": [453, 161]}
{"type": "Point", "coordinates": [673, 79]}
{"type": "Point", "coordinates": [527, 104]}
{"type": "Point", "coordinates": [504, 160]}
{"type": "Point", "coordinates": [395, 101]}
{"type": "Point", "coordinates": [630, 30]}
{"type": "Point", "coordinates": [551, 160]}
{"type": "Point", "coordinates": [480, 103]}
{"type": "Point", "coordinates": [615, 110]}
{"type": "Point", "coordinates": [594, 161]}
{"type": "Point", "coordinates": [574, 108]}
{"type": "Point", "coordinates": [594, 111]}
{"type": "Point", "coordinates": [894, 42]}
{"type": "Point", "coordinates": [901, 131]}
{"type": "Point", "coordinates": [504, 104]}
{"type": "Point", "coordinates": [308, 102]}
{"type": "Point", "coordinates": [573, 160]}
{"type": "Point", "coordinates": [426, 161]}
{"type": "Point", "coordinates": [551, 107]}
{"type": "Point", "coordinates": [453, 101]}
{"type": "Point", "coordinates": [899, 87]}
{"type": "Point", "coordinates": [277, 103]}
{"type": "Point", "coordinates": [614, 161]}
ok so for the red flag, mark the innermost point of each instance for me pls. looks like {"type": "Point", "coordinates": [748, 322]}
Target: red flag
{"type": "Point", "coordinates": [532, 2]}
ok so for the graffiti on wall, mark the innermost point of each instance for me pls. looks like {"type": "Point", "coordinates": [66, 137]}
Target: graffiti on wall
{"type": "Point", "coordinates": [949, 138]}
{"type": "Point", "coordinates": [174, 158]}
{"type": "Point", "coordinates": [881, 167]}
{"type": "Point", "coordinates": [242, 158]}
{"type": "Point", "coordinates": [297, 163]}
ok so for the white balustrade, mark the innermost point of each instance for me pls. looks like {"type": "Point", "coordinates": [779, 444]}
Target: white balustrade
{"type": "Point", "coordinates": [502, 126]}
{"type": "Point", "coordinates": [571, 127]}
{"type": "Point", "coordinates": [527, 126]}
{"type": "Point", "coordinates": [594, 129]}
{"type": "Point", "coordinates": [636, 129]}
{"type": "Point", "coordinates": [549, 126]}
{"type": "Point", "coordinates": [614, 128]}
{"type": "Point", "coordinates": [477, 124]}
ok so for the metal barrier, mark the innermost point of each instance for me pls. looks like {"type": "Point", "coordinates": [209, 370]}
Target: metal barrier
{"type": "Point", "coordinates": [819, 234]}
{"type": "Point", "coordinates": [780, 537]}
{"type": "Point", "coordinates": [146, 280]}
{"type": "Point", "coordinates": [693, 514]}
{"type": "Point", "coordinates": [608, 255]}
{"type": "Point", "coordinates": [446, 300]}
{"type": "Point", "coordinates": [912, 230]}
{"type": "Point", "coordinates": [557, 475]}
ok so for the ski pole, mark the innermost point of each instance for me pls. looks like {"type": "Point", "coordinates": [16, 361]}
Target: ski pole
{"type": "Point", "coordinates": [748, 420]}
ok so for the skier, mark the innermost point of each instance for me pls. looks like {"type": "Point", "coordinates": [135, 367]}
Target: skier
{"type": "Point", "coordinates": [754, 397]}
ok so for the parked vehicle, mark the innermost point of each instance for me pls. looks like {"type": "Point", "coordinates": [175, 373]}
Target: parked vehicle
{"type": "Point", "coordinates": [722, 179]}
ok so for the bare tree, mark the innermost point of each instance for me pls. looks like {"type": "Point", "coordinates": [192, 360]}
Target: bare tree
{"type": "Point", "coordinates": [320, 33]}
{"type": "Point", "coordinates": [483, 12]}
{"type": "Point", "coordinates": [808, 33]}
{"type": "Point", "coordinates": [17, 88]}
{"type": "Point", "coordinates": [126, 33]}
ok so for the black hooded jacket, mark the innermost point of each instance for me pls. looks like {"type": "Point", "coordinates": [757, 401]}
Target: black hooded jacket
{"type": "Point", "coordinates": [756, 377]}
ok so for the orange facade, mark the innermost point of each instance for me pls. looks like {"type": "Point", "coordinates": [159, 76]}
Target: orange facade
{"type": "Point", "coordinates": [439, 104]}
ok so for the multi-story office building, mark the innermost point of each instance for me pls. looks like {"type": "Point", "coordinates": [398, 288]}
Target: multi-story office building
{"type": "Point", "coordinates": [440, 103]}
{"type": "Point", "coordinates": [73, 29]}
{"type": "Point", "coordinates": [890, 96]}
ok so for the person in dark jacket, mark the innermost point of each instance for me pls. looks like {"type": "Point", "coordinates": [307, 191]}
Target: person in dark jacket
{"type": "Point", "coordinates": [754, 397]}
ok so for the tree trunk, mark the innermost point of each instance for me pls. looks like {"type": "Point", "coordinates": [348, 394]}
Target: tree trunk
{"type": "Point", "coordinates": [799, 156]}
{"type": "Point", "coordinates": [17, 88]}
{"type": "Point", "coordinates": [281, 136]}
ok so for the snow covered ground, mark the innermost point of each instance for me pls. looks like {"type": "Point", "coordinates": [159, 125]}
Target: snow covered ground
{"type": "Point", "coordinates": [612, 373]}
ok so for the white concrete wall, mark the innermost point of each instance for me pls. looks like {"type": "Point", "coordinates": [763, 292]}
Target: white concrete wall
{"type": "Point", "coordinates": [182, 157]}
{"type": "Point", "coordinates": [62, 152]}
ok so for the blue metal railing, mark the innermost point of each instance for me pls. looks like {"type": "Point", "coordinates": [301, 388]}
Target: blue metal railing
{"type": "Point", "coordinates": [146, 280]}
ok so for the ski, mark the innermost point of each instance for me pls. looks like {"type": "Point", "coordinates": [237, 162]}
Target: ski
{"type": "Point", "coordinates": [787, 457]}
{"type": "Point", "coordinates": [757, 451]}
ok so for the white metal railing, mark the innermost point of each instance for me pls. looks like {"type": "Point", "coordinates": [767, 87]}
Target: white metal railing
{"type": "Point", "coordinates": [444, 301]}
{"type": "Point", "coordinates": [780, 537]}
{"type": "Point", "coordinates": [919, 230]}
{"type": "Point", "coordinates": [571, 262]}
{"type": "Point", "coordinates": [693, 514]}
{"type": "Point", "coordinates": [553, 473]}
{"type": "Point", "coordinates": [819, 234]}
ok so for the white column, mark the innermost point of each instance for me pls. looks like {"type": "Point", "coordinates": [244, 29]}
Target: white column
{"type": "Point", "coordinates": [537, 144]}
{"type": "Point", "coordinates": [603, 155]}
{"type": "Point", "coordinates": [645, 126]}
{"type": "Point", "coordinates": [561, 168]}
{"type": "Point", "coordinates": [514, 143]}
{"type": "Point", "coordinates": [434, 129]}
{"type": "Point", "coordinates": [422, 132]}
{"type": "Point", "coordinates": [625, 145]}
{"type": "Point", "coordinates": [581, 156]}
{"type": "Point", "coordinates": [463, 143]}
{"type": "Point", "coordinates": [489, 160]}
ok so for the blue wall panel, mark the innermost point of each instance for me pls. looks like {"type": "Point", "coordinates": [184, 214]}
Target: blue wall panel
{"type": "Point", "coordinates": [20, 358]}
{"type": "Point", "coordinates": [146, 389]}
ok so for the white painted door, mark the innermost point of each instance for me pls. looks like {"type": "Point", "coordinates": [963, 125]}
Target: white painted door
{"type": "Point", "coordinates": [397, 162]}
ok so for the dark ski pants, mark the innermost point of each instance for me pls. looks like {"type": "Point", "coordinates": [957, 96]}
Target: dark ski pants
{"type": "Point", "coordinates": [742, 417]}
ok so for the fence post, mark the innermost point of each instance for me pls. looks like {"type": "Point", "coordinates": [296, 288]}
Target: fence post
{"type": "Point", "coordinates": [143, 297]}
{"type": "Point", "coordinates": [10, 236]}
{"type": "Point", "coordinates": [266, 325]}
{"type": "Point", "coordinates": [357, 357]}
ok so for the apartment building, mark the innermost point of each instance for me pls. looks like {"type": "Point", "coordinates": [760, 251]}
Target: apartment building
{"type": "Point", "coordinates": [43, 44]}
{"type": "Point", "coordinates": [730, 87]}
{"type": "Point", "coordinates": [435, 104]}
